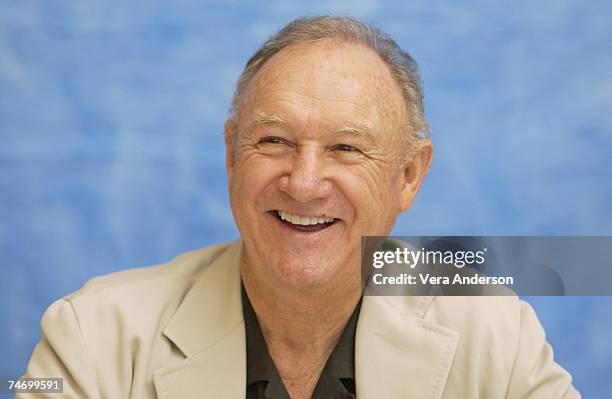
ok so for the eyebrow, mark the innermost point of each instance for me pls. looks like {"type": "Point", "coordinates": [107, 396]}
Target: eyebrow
{"type": "Point", "coordinates": [262, 118]}
{"type": "Point", "coordinates": [361, 131]}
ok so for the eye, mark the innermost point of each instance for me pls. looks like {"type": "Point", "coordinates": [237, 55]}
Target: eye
{"type": "Point", "coordinates": [345, 148]}
{"type": "Point", "coordinates": [272, 140]}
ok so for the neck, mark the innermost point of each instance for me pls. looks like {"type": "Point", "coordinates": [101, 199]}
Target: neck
{"type": "Point", "coordinates": [301, 326]}
{"type": "Point", "coordinates": [301, 318]}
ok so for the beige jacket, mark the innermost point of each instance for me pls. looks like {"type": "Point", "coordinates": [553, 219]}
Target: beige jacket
{"type": "Point", "coordinates": [176, 331]}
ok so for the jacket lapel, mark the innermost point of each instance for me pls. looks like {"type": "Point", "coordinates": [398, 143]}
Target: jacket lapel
{"type": "Point", "coordinates": [208, 328]}
{"type": "Point", "coordinates": [398, 354]}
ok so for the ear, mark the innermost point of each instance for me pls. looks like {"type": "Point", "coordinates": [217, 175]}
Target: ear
{"type": "Point", "coordinates": [414, 171]}
{"type": "Point", "coordinates": [229, 133]}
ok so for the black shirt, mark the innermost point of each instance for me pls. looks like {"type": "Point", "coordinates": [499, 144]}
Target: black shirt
{"type": "Point", "coordinates": [337, 381]}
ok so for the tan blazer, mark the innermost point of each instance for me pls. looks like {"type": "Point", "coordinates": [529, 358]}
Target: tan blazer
{"type": "Point", "coordinates": [176, 331]}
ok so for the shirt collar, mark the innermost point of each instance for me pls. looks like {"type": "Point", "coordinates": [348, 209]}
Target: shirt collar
{"type": "Point", "coordinates": [260, 366]}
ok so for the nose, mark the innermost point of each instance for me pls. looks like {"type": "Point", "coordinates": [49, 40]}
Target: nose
{"type": "Point", "coordinates": [306, 179]}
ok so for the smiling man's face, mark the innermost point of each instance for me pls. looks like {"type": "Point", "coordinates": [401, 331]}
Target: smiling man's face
{"type": "Point", "coordinates": [317, 160]}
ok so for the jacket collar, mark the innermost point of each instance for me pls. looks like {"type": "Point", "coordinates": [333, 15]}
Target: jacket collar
{"type": "Point", "coordinates": [398, 353]}
{"type": "Point", "coordinates": [208, 328]}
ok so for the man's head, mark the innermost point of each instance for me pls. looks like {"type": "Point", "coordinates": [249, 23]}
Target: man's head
{"type": "Point", "coordinates": [326, 129]}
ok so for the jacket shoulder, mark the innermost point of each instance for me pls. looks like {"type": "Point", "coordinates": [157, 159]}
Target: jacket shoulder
{"type": "Point", "coordinates": [139, 302]}
{"type": "Point", "coordinates": [183, 270]}
{"type": "Point", "coordinates": [107, 338]}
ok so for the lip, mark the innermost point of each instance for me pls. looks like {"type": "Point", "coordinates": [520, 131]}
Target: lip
{"type": "Point", "coordinates": [304, 214]}
{"type": "Point", "coordinates": [302, 230]}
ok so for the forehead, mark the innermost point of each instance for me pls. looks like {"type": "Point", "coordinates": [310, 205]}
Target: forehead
{"type": "Point", "coordinates": [327, 80]}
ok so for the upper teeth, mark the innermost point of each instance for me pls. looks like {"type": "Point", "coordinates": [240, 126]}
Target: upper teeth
{"type": "Point", "coordinates": [303, 220]}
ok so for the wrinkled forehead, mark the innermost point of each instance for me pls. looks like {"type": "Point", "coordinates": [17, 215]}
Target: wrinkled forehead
{"type": "Point", "coordinates": [332, 75]}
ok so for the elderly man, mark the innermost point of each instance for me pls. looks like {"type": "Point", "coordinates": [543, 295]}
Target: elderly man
{"type": "Point", "coordinates": [326, 142]}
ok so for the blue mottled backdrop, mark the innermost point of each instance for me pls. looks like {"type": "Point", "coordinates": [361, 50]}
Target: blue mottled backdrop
{"type": "Point", "coordinates": [111, 149]}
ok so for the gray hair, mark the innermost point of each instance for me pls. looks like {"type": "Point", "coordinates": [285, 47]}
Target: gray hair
{"type": "Point", "coordinates": [304, 30]}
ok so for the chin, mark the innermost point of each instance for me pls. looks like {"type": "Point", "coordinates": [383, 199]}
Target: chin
{"type": "Point", "coordinates": [301, 274]}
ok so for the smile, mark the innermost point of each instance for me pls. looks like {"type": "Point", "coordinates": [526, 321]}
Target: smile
{"type": "Point", "coordinates": [304, 223]}
{"type": "Point", "coordinates": [303, 220]}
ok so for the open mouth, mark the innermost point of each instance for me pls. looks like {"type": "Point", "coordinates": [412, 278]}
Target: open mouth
{"type": "Point", "coordinates": [304, 223]}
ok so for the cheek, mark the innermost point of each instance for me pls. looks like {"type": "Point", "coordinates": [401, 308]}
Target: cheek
{"type": "Point", "coordinates": [253, 177]}
{"type": "Point", "coordinates": [374, 194]}
{"type": "Point", "coordinates": [380, 182]}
